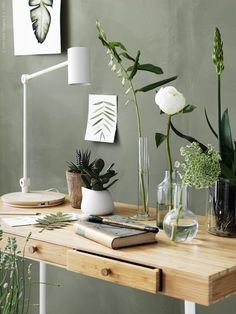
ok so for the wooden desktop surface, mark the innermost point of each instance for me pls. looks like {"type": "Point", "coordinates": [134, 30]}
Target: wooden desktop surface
{"type": "Point", "coordinates": [202, 271]}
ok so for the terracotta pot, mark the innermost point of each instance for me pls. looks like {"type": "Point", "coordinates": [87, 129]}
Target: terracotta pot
{"type": "Point", "coordinates": [96, 202]}
{"type": "Point", "coordinates": [74, 184]}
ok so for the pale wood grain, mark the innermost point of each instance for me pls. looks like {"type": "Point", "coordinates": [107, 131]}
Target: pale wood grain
{"type": "Point", "coordinates": [202, 271]}
{"type": "Point", "coordinates": [130, 275]}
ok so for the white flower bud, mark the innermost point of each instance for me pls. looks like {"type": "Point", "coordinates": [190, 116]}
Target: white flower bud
{"type": "Point", "coordinates": [113, 67]}
{"type": "Point", "coordinates": [170, 100]}
{"type": "Point", "coordinates": [128, 90]}
{"type": "Point", "coordinates": [123, 81]}
{"type": "Point", "coordinates": [119, 73]}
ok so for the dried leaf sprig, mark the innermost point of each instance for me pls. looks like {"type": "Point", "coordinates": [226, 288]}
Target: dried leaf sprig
{"type": "Point", "coordinates": [53, 221]}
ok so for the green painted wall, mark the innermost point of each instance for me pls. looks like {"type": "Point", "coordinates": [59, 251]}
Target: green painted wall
{"type": "Point", "coordinates": [174, 34]}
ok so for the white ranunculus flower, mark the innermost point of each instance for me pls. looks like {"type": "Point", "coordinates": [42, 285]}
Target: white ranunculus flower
{"type": "Point", "coordinates": [170, 100]}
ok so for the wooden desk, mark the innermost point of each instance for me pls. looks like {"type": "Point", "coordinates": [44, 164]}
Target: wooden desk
{"type": "Point", "coordinates": [202, 271]}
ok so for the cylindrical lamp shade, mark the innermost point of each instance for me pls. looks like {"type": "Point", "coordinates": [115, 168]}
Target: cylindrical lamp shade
{"type": "Point", "coordinates": [78, 66]}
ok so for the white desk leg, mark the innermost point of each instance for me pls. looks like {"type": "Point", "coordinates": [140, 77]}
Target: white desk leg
{"type": "Point", "coordinates": [42, 288]}
{"type": "Point", "coordinates": [189, 307]}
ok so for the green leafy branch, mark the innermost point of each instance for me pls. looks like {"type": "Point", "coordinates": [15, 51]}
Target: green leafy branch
{"type": "Point", "coordinates": [118, 56]}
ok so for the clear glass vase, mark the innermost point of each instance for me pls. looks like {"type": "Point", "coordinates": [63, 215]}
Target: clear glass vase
{"type": "Point", "coordinates": [143, 181]}
{"type": "Point", "coordinates": [221, 209]}
{"type": "Point", "coordinates": [180, 224]}
{"type": "Point", "coordinates": [166, 194]}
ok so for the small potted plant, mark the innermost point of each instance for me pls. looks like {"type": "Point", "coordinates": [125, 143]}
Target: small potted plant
{"type": "Point", "coordinates": [96, 198]}
{"type": "Point", "coordinates": [73, 176]}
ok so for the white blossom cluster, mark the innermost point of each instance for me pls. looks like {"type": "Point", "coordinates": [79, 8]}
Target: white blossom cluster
{"type": "Point", "coordinates": [199, 169]}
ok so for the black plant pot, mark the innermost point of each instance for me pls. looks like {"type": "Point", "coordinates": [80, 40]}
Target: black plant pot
{"type": "Point", "coordinates": [221, 209]}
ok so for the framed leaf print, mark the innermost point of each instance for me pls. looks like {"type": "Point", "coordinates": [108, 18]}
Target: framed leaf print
{"type": "Point", "coordinates": [36, 25]}
{"type": "Point", "coordinates": [102, 118]}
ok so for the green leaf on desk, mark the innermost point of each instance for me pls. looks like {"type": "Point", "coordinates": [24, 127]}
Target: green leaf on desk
{"type": "Point", "coordinates": [53, 221]}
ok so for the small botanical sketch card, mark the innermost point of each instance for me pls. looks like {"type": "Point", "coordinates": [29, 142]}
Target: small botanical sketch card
{"type": "Point", "coordinates": [36, 25]}
{"type": "Point", "coordinates": [102, 118]}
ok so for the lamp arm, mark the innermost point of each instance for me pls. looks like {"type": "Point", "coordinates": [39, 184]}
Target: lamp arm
{"type": "Point", "coordinates": [27, 77]}
{"type": "Point", "coordinates": [25, 181]}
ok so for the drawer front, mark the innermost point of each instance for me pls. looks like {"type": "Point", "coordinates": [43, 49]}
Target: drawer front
{"type": "Point", "coordinates": [40, 250]}
{"type": "Point", "coordinates": [122, 273]}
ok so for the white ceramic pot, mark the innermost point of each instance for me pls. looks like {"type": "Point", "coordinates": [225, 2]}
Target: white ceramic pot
{"type": "Point", "coordinates": [96, 202]}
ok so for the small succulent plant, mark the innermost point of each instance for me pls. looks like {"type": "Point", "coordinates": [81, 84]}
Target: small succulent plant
{"type": "Point", "coordinates": [93, 179]}
{"type": "Point", "coordinates": [82, 161]}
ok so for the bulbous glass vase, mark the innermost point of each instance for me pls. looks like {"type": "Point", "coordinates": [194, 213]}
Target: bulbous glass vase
{"type": "Point", "coordinates": [166, 194]}
{"type": "Point", "coordinates": [180, 224]}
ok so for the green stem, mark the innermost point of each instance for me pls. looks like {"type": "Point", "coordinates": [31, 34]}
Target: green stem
{"type": "Point", "coordinates": [219, 115]}
{"type": "Point", "coordinates": [138, 118]}
{"type": "Point", "coordinates": [168, 144]}
{"type": "Point", "coordinates": [135, 100]}
{"type": "Point", "coordinates": [170, 167]}
{"type": "Point", "coordinates": [179, 209]}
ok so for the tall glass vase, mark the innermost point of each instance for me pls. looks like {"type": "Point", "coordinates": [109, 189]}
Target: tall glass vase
{"type": "Point", "coordinates": [221, 209]}
{"type": "Point", "coordinates": [143, 181]}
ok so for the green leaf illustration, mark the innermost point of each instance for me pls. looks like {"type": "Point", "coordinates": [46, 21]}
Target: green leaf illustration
{"type": "Point", "coordinates": [41, 18]}
{"type": "Point", "coordinates": [103, 119]}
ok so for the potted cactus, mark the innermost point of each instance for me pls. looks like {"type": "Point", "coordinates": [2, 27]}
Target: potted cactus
{"type": "Point", "coordinates": [73, 176]}
{"type": "Point", "coordinates": [96, 198]}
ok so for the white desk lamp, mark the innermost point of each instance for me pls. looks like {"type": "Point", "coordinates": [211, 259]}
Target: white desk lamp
{"type": "Point", "coordinates": [78, 73]}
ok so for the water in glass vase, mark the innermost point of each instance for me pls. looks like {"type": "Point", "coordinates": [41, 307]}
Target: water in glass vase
{"type": "Point", "coordinates": [182, 228]}
{"type": "Point", "coordinates": [162, 210]}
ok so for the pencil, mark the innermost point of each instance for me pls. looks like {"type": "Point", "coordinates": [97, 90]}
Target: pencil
{"type": "Point", "coordinates": [19, 213]}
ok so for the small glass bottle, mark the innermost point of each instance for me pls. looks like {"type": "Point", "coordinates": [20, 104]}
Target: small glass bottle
{"type": "Point", "coordinates": [166, 194]}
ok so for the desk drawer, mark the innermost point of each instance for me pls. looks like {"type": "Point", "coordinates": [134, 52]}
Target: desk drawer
{"type": "Point", "coordinates": [40, 250]}
{"type": "Point", "coordinates": [115, 271]}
